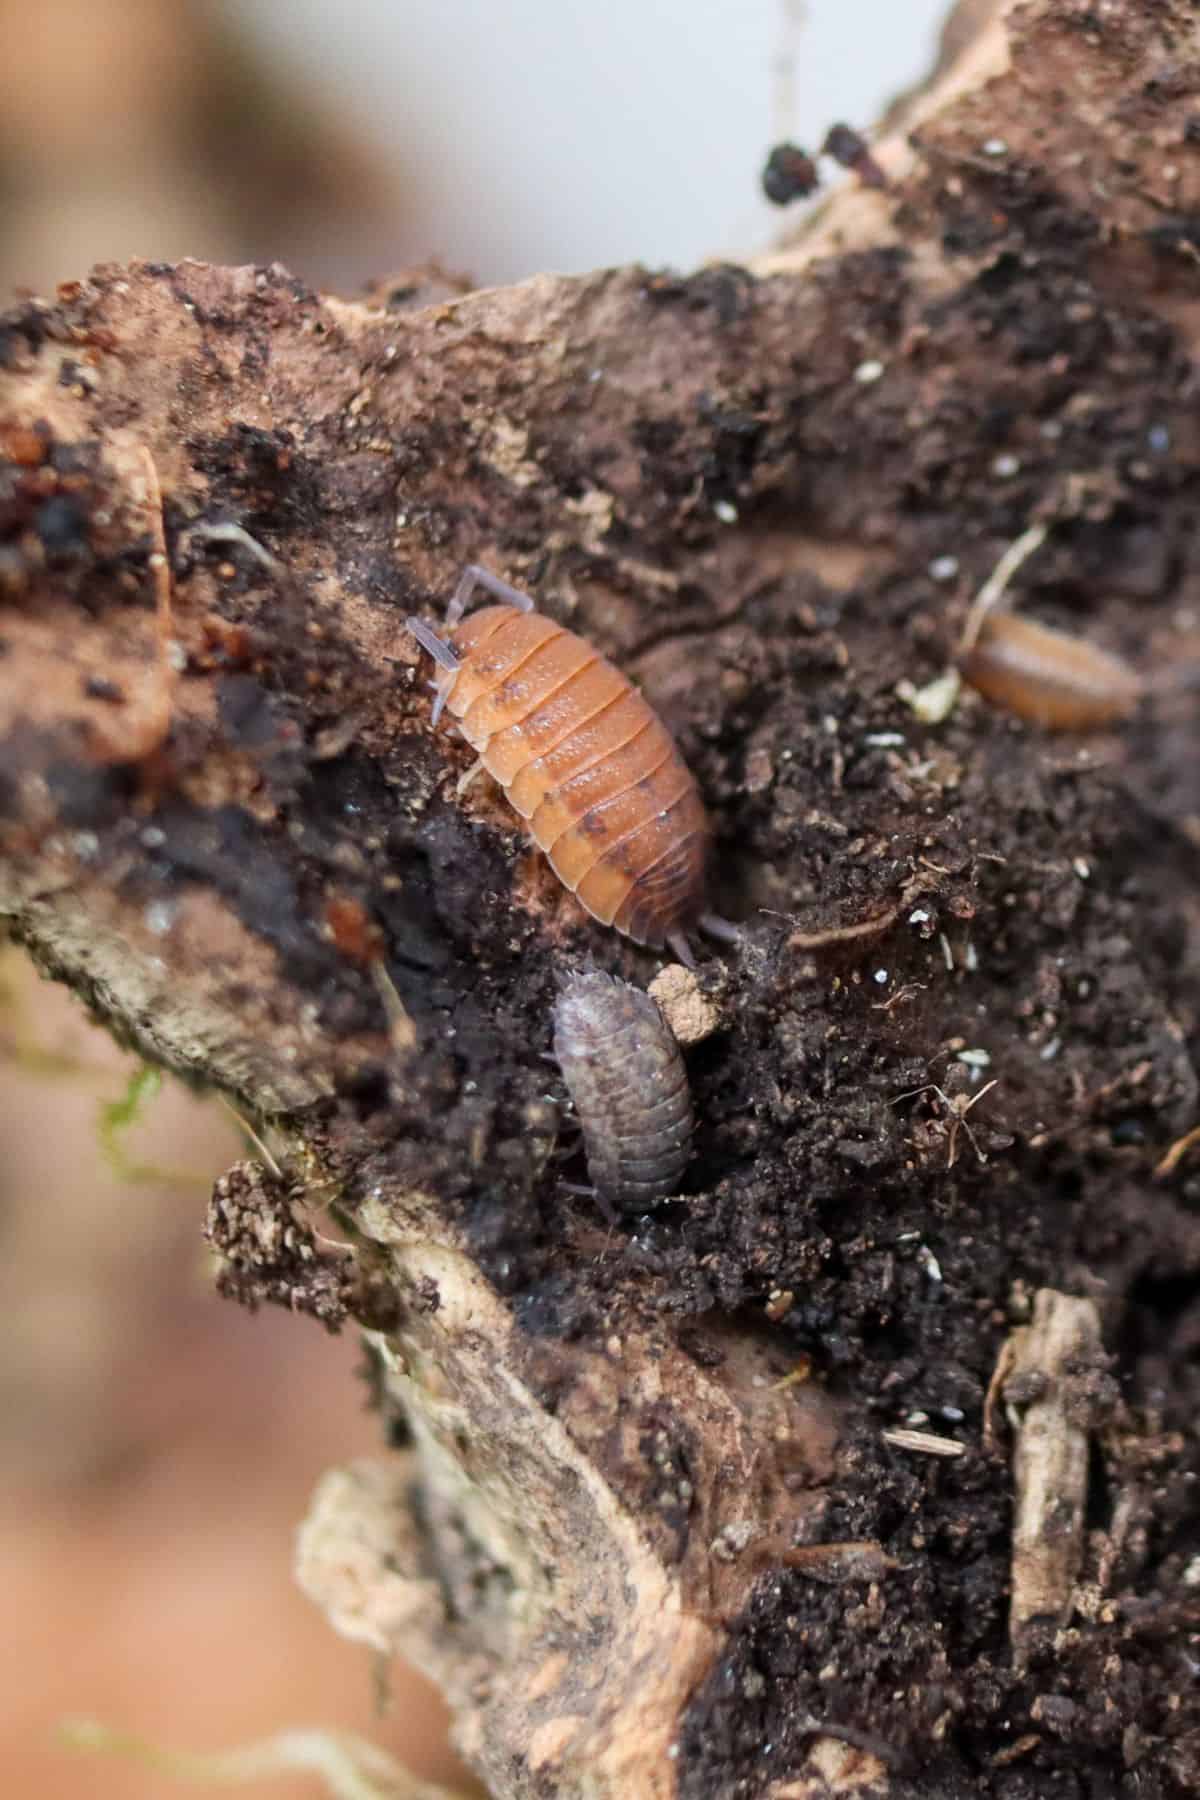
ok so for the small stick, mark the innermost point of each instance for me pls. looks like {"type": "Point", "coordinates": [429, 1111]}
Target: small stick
{"type": "Point", "coordinates": [1050, 1365]}
{"type": "Point", "coordinates": [996, 585]}
{"type": "Point", "coordinates": [913, 889]}
{"type": "Point", "coordinates": [925, 1443]}
{"type": "Point", "coordinates": [1176, 1153]}
{"type": "Point", "coordinates": [842, 934]}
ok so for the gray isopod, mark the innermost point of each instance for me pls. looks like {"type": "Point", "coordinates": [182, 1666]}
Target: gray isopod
{"type": "Point", "coordinates": [623, 1070]}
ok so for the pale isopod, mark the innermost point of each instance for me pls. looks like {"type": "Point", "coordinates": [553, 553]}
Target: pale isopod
{"type": "Point", "coordinates": [1060, 682]}
{"type": "Point", "coordinates": [625, 1075]}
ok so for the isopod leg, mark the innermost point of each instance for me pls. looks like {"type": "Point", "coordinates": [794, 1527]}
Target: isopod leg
{"type": "Point", "coordinates": [437, 647]}
{"type": "Point", "coordinates": [473, 576]}
{"type": "Point", "coordinates": [467, 777]}
{"type": "Point", "coordinates": [604, 1206]}
{"type": "Point", "coordinates": [677, 941]}
{"type": "Point", "coordinates": [724, 930]}
{"type": "Point", "coordinates": [442, 655]}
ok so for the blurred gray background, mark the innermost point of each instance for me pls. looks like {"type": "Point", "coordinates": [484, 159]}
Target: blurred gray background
{"type": "Point", "coordinates": [356, 138]}
{"type": "Point", "coordinates": [539, 135]}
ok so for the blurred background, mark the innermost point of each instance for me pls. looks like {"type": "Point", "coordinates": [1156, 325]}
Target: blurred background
{"type": "Point", "coordinates": [158, 1446]}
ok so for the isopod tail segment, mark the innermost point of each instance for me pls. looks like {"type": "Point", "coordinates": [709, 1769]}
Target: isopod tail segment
{"type": "Point", "coordinates": [582, 758]}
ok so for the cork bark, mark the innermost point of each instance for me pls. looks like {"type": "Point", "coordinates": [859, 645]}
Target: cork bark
{"type": "Point", "coordinates": [645, 1527]}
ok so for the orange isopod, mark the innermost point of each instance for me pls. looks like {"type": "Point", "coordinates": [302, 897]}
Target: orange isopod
{"type": "Point", "coordinates": [1047, 677]}
{"type": "Point", "coordinates": [583, 758]}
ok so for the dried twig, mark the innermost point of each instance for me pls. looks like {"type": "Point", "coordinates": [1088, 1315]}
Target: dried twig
{"type": "Point", "coordinates": [1046, 1377]}
{"type": "Point", "coordinates": [914, 889]}
{"type": "Point", "coordinates": [996, 586]}
{"type": "Point", "coordinates": [925, 1443]}
{"type": "Point", "coordinates": [844, 934]}
{"type": "Point", "coordinates": [1175, 1155]}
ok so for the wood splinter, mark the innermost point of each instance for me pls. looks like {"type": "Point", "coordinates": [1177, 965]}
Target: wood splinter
{"type": "Point", "coordinates": [1046, 1376]}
